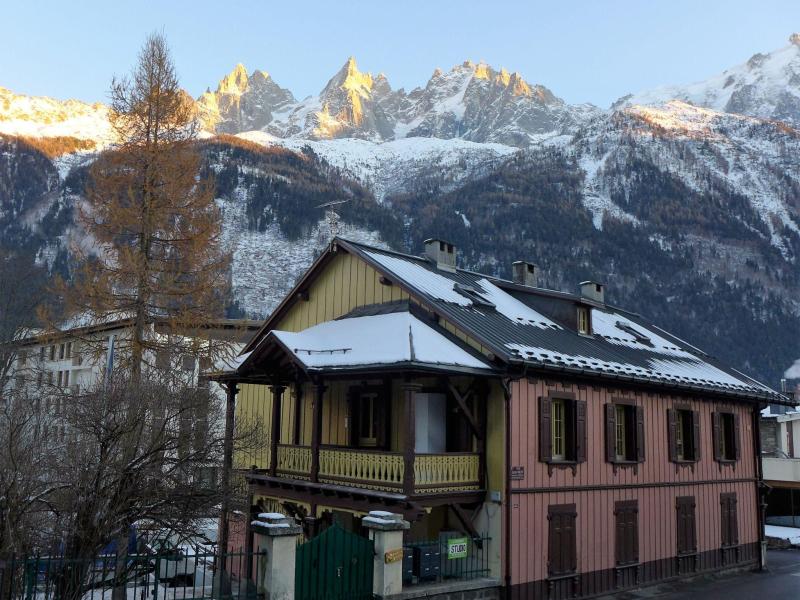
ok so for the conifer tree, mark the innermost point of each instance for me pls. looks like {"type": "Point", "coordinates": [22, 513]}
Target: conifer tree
{"type": "Point", "coordinates": [154, 247]}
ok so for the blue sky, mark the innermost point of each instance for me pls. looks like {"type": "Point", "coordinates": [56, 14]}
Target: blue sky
{"type": "Point", "coordinates": [585, 51]}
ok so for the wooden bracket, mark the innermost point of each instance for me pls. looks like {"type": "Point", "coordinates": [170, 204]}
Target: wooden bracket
{"type": "Point", "coordinates": [461, 399]}
{"type": "Point", "coordinates": [466, 521]}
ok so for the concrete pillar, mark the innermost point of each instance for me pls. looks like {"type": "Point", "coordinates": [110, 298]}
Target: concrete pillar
{"type": "Point", "coordinates": [386, 530]}
{"type": "Point", "coordinates": [275, 541]}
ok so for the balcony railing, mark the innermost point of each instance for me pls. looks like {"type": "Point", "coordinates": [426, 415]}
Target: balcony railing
{"type": "Point", "coordinates": [433, 473]}
{"type": "Point", "coordinates": [446, 471]}
{"type": "Point", "coordinates": [380, 470]}
{"type": "Point", "coordinates": [294, 460]}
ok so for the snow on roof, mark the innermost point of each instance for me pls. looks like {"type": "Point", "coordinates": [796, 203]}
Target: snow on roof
{"type": "Point", "coordinates": [512, 308]}
{"type": "Point", "coordinates": [619, 330]}
{"type": "Point", "coordinates": [430, 282]}
{"type": "Point", "coordinates": [375, 340]}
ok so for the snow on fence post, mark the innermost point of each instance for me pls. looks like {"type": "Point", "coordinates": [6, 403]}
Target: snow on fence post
{"type": "Point", "coordinates": [386, 530]}
{"type": "Point", "coordinates": [275, 541]}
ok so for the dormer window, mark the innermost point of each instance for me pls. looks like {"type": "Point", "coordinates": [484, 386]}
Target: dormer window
{"type": "Point", "coordinates": [584, 325]}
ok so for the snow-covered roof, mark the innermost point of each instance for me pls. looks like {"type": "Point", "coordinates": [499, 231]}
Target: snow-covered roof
{"type": "Point", "coordinates": [536, 326]}
{"type": "Point", "coordinates": [396, 338]}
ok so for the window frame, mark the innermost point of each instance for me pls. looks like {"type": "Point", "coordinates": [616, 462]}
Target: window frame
{"type": "Point", "coordinates": [677, 436]}
{"type": "Point", "coordinates": [575, 434]}
{"type": "Point", "coordinates": [726, 434]}
{"type": "Point", "coordinates": [583, 318]}
{"type": "Point", "coordinates": [632, 428]}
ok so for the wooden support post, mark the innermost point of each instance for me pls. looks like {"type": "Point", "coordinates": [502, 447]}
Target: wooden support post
{"type": "Point", "coordinates": [275, 437]}
{"type": "Point", "coordinates": [409, 409]}
{"type": "Point", "coordinates": [298, 413]}
{"type": "Point", "coordinates": [316, 429]}
{"type": "Point", "coordinates": [227, 468]}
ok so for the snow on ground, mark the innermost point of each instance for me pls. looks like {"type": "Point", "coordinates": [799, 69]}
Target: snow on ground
{"type": "Point", "coordinates": [790, 534]}
{"type": "Point", "coordinates": [266, 264]}
{"type": "Point", "coordinates": [597, 202]}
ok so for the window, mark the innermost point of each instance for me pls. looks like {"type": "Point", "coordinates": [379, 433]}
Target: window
{"type": "Point", "coordinates": [19, 382]}
{"type": "Point", "coordinates": [562, 429]}
{"type": "Point", "coordinates": [61, 351]}
{"type": "Point", "coordinates": [562, 557]}
{"type": "Point", "coordinates": [684, 435]}
{"type": "Point", "coordinates": [626, 513]}
{"type": "Point", "coordinates": [66, 378]}
{"type": "Point", "coordinates": [188, 362]}
{"type": "Point", "coordinates": [41, 352]}
{"type": "Point", "coordinates": [624, 433]}
{"type": "Point", "coordinates": [726, 436]}
{"type": "Point", "coordinates": [729, 522]}
{"type": "Point", "coordinates": [369, 416]}
{"type": "Point", "coordinates": [367, 422]}
{"type": "Point", "coordinates": [68, 353]}
{"type": "Point", "coordinates": [22, 359]}
{"type": "Point", "coordinates": [685, 525]}
{"type": "Point", "coordinates": [60, 377]}
{"type": "Point", "coordinates": [584, 326]}
{"type": "Point", "coordinates": [53, 352]}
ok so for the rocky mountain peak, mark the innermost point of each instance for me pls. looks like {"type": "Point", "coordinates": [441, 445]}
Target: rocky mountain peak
{"type": "Point", "coordinates": [234, 82]}
{"type": "Point", "coordinates": [795, 39]}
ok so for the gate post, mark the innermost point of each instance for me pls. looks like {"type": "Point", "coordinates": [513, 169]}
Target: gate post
{"type": "Point", "coordinates": [275, 540]}
{"type": "Point", "coordinates": [386, 530]}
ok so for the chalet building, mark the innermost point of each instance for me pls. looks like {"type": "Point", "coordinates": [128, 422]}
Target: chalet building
{"type": "Point", "coordinates": [581, 448]}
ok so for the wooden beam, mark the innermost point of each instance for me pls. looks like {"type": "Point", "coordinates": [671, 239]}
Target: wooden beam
{"type": "Point", "coordinates": [316, 429]}
{"type": "Point", "coordinates": [462, 404]}
{"type": "Point", "coordinates": [275, 437]}
{"type": "Point", "coordinates": [227, 468]}
{"type": "Point", "coordinates": [298, 413]}
{"type": "Point", "coordinates": [466, 521]}
{"type": "Point", "coordinates": [409, 409]}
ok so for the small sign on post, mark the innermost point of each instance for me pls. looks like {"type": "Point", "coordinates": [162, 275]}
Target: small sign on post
{"type": "Point", "coordinates": [392, 556]}
{"type": "Point", "coordinates": [457, 548]}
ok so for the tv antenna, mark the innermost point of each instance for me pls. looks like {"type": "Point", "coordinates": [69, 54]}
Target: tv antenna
{"type": "Point", "coordinates": [332, 216]}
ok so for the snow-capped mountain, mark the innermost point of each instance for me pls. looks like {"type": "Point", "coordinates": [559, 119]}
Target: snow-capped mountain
{"type": "Point", "coordinates": [243, 102]}
{"type": "Point", "coordinates": [766, 86]}
{"type": "Point", "coordinates": [471, 101]}
{"type": "Point", "coordinates": [40, 116]}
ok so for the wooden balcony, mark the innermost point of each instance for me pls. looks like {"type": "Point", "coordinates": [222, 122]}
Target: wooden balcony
{"type": "Point", "coordinates": [433, 473]}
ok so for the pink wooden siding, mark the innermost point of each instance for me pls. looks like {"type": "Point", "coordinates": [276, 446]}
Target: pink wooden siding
{"type": "Point", "coordinates": [655, 483]}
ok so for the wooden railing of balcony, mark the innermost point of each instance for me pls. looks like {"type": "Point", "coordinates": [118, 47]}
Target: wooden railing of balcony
{"type": "Point", "coordinates": [294, 460]}
{"type": "Point", "coordinates": [379, 470]}
{"type": "Point", "coordinates": [444, 472]}
{"type": "Point", "coordinates": [385, 470]}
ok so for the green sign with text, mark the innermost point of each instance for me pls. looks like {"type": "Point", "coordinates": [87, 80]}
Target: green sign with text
{"type": "Point", "coordinates": [457, 548]}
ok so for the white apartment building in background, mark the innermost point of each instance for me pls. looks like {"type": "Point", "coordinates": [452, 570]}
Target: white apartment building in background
{"type": "Point", "coordinates": [75, 359]}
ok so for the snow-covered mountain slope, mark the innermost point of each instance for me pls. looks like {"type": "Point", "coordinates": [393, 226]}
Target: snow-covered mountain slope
{"type": "Point", "coordinates": [766, 86]}
{"type": "Point", "coordinates": [397, 166]}
{"type": "Point", "coordinates": [40, 116]}
{"type": "Point", "coordinates": [730, 157]}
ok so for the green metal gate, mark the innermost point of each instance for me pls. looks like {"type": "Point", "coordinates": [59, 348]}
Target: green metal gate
{"type": "Point", "coordinates": [335, 565]}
